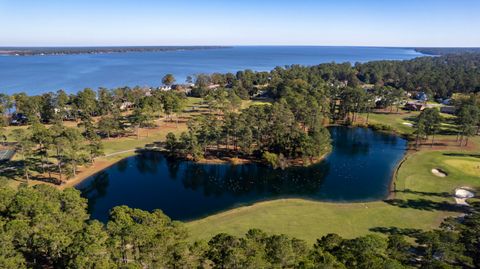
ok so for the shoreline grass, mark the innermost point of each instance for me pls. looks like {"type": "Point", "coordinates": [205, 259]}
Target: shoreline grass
{"type": "Point", "coordinates": [421, 201]}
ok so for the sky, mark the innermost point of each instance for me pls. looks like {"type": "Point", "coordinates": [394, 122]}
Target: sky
{"type": "Point", "coordinates": [412, 23]}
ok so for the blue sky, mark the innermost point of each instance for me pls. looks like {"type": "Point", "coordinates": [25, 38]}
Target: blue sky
{"type": "Point", "coordinates": [245, 22]}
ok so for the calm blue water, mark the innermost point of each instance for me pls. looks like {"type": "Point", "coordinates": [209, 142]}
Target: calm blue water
{"type": "Point", "coordinates": [37, 74]}
{"type": "Point", "coordinates": [359, 169]}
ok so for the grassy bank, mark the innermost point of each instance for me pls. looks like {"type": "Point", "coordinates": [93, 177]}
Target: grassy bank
{"type": "Point", "coordinates": [421, 201]}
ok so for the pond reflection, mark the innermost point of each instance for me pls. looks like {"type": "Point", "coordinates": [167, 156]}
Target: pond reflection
{"type": "Point", "coordinates": [359, 168]}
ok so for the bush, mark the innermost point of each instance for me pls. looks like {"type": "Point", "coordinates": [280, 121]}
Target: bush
{"type": "Point", "coordinates": [275, 160]}
{"type": "Point", "coordinates": [380, 127]}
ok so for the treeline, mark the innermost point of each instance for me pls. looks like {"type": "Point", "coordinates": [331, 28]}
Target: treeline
{"type": "Point", "coordinates": [42, 227]}
{"type": "Point", "coordinates": [446, 51]}
{"type": "Point", "coordinates": [437, 76]}
{"type": "Point", "coordinates": [51, 107]}
{"type": "Point", "coordinates": [96, 50]}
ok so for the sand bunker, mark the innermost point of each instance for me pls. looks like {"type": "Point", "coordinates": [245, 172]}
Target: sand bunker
{"type": "Point", "coordinates": [462, 194]}
{"type": "Point", "coordinates": [407, 124]}
{"type": "Point", "coordinates": [438, 172]}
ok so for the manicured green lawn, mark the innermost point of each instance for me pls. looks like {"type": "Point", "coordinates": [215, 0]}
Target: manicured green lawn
{"type": "Point", "coordinates": [422, 201]}
{"type": "Point", "coordinates": [402, 122]}
{"type": "Point", "coordinates": [132, 142]}
{"type": "Point", "coordinates": [396, 120]}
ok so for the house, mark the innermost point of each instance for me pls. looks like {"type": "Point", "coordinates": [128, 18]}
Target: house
{"type": "Point", "coordinates": [126, 105]}
{"type": "Point", "coordinates": [165, 88]}
{"type": "Point", "coordinates": [448, 109]}
{"type": "Point", "coordinates": [421, 96]}
{"type": "Point", "coordinates": [213, 86]}
{"type": "Point", "coordinates": [183, 88]}
{"type": "Point", "coordinates": [414, 106]}
{"type": "Point", "coordinates": [18, 119]}
{"type": "Point", "coordinates": [447, 101]}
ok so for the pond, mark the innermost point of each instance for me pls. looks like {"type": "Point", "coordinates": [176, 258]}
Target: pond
{"type": "Point", "coordinates": [359, 168]}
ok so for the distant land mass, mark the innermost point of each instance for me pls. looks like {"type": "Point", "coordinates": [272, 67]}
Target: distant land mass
{"type": "Point", "coordinates": [30, 51]}
{"type": "Point", "coordinates": [445, 51]}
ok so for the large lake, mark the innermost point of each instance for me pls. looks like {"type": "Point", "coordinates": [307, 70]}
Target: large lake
{"type": "Point", "coordinates": [38, 74]}
{"type": "Point", "coordinates": [359, 168]}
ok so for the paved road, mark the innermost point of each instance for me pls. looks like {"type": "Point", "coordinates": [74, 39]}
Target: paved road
{"type": "Point", "coordinates": [128, 150]}
{"type": "Point", "coordinates": [6, 154]}
{"type": "Point", "coordinates": [118, 152]}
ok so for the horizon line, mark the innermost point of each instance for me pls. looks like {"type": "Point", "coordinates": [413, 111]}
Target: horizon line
{"type": "Point", "coordinates": [244, 45]}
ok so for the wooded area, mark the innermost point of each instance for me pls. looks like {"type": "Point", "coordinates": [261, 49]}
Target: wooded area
{"type": "Point", "coordinates": [42, 227]}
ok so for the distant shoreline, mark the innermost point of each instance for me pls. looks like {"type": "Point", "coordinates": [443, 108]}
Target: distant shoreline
{"type": "Point", "coordinates": [40, 51]}
{"type": "Point", "coordinates": [445, 51]}
{"type": "Point", "coordinates": [34, 51]}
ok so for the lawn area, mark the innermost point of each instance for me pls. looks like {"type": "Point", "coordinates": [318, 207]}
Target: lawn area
{"type": "Point", "coordinates": [147, 136]}
{"type": "Point", "coordinates": [395, 120]}
{"type": "Point", "coordinates": [247, 103]}
{"type": "Point", "coordinates": [158, 134]}
{"type": "Point", "coordinates": [422, 200]}
{"type": "Point", "coordinates": [403, 121]}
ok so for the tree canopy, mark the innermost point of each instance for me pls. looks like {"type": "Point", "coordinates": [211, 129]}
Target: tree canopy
{"type": "Point", "coordinates": [42, 227]}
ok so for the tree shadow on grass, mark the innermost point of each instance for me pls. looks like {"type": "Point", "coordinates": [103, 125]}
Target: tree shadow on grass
{"type": "Point", "coordinates": [462, 155]}
{"type": "Point", "coordinates": [11, 169]}
{"type": "Point", "coordinates": [411, 118]}
{"type": "Point", "coordinates": [427, 143]}
{"type": "Point", "coordinates": [427, 205]}
{"type": "Point", "coordinates": [447, 131]}
{"type": "Point", "coordinates": [14, 170]}
{"type": "Point", "coordinates": [424, 193]}
{"type": "Point", "coordinates": [411, 232]}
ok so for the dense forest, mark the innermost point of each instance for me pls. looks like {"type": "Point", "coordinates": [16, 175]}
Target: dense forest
{"type": "Point", "coordinates": [438, 76]}
{"type": "Point", "coordinates": [42, 227]}
{"type": "Point", "coordinates": [445, 51]}
{"type": "Point", "coordinates": [279, 132]}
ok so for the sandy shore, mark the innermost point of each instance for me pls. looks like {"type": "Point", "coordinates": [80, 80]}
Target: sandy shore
{"type": "Point", "coordinates": [86, 172]}
{"type": "Point", "coordinates": [99, 165]}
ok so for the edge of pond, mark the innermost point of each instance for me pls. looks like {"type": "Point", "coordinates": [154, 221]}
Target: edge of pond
{"type": "Point", "coordinates": [390, 193]}
{"type": "Point", "coordinates": [82, 177]}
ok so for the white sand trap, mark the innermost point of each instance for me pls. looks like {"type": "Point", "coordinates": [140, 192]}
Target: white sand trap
{"type": "Point", "coordinates": [438, 172]}
{"type": "Point", "coordinates": [408, 124]}
{"type": "Point", "coordinates": [462, 194]}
